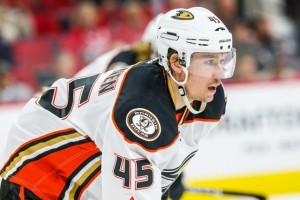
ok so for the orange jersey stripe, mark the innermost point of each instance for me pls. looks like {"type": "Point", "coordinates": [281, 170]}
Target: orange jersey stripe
{"type": "Point", "coordinates": [202, 120]}
{"type": "Point", "coordinates": [52, 171]}
{"type": "Point", "coordinates": [37, 139]}
{"type": "Point", "coordinates": [21, 194]}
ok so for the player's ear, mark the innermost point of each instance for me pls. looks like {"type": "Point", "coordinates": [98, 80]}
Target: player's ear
{"type": "Point", "coordinates": [174, 63]}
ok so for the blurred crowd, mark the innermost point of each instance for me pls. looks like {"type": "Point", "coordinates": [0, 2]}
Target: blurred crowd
{"type": "Point", "coordinates": [42, 40]}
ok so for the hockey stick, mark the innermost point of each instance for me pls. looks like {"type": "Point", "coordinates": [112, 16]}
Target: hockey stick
{"type": "Point", "coordinates": [217, 192]}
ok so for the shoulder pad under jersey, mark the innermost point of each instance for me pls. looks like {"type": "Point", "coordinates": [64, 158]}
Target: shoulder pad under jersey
{"type": "Point", "coordinates": [144, 112]}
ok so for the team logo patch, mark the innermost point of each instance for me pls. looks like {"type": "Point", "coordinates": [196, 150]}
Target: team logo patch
{"type": "Point", "coordinates": [183, 15]}
{"type": "Point", "coordinates": [143, 124]}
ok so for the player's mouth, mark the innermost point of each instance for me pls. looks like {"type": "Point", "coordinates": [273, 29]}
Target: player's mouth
{"type": "Point", "coordinates": [212, 88]}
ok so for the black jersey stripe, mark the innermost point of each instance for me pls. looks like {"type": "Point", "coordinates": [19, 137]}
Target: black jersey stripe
{"type": "Point", "coordinates": [172, 174]}
{"type": "Point", "coordinates": [183, 162]}
{"type": "Point", "coordinates": [37, 141]}
{"type": "Point", "coordinates": [44, 154]}
{"type": "Point", "coordinates": [71, 177]}
{"type": "Point", "coordinates": [87, 181]}
{"type": "Point", "coordinates": [64, 134]}
{"type": "Point", "coordinates": [165, 188]}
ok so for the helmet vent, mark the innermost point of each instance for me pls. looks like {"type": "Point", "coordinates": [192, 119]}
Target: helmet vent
{"type": "Point", "coordinates": [169, 36]}
{"type": "Point", "coordinates": [191, 42]}
{"type": "Point", "coordinates": [202, 42]}
{"type": "Point", "coordinates": [220, 28]}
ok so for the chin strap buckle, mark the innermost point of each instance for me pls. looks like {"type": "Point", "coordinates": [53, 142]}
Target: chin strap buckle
{"type": "Point", "coordinates": [181, 90]}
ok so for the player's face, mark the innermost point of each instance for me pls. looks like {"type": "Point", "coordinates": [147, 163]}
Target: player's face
{"type": "Point", "coordinates": [205, 74]}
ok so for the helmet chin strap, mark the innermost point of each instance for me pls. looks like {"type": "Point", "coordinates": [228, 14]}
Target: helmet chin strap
{"type": "Point", "coordinates": [182, 91]}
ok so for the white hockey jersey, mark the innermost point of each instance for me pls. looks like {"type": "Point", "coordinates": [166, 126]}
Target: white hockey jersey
{"type": "Point", "coordinates": [113, 135]}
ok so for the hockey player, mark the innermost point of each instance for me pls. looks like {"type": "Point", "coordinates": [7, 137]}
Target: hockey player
{"type": "Point", "coordinates": [126, 133]}
{"type": "Point", "coordinates": [127, 55]}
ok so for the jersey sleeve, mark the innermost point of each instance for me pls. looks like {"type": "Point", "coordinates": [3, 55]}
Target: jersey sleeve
{"type": "Point", "coordinates": [144, 112]}
{"type": "Point", "coordinates": [122, 59]}
{"type": "Point", "coordinates": [144, 137]}
{"type": "Point", "coordinates": [101, 64]}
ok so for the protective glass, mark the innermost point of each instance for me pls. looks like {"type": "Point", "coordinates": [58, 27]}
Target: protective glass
{"type": "Point", "coordinates": [213, 65]}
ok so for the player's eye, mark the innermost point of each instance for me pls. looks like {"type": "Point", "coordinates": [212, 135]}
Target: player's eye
{"type": "Point", "coordinates": [210, 62]}
{"type": "Point", "coordinates": [222, 62]}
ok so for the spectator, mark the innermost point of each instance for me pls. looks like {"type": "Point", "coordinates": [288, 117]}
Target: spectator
{"type": "Point", "coordinates": [256, 40]}
{"type": "Point", "coordinates": [276, 50]}
{"type": "Point", "coordinates": [134, 21]}
{"type": "Point", "coordinates": [246, 68]}
{"type": "Point", "coordinates": [245, 40]}
{"type": "Point", "coordinates": [63, 66]}
{"type": "Point", "coordinates": [228, 11]}
{"type": "Point", "coordinates": [6, 51]}
{"type": "Point", "coordinates": [266, 47]}
{"type": "Point", "coordinates": [16, 22]}
{"type": "Point", "coordinates": [87, 39]}
{"type": "Point", "coordinates": [51, 17]}
{"type": "Point", "coordinates": [11, 90]}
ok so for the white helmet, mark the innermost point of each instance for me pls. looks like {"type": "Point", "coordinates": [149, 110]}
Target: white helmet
{"type": "Point", "coordinates": [149, 34]}
{"type": "Point", "coordinates": [192, 30]}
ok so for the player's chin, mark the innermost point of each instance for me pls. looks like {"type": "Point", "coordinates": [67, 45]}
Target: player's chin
{"type": "Point", "coordinates": [208, 98]}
